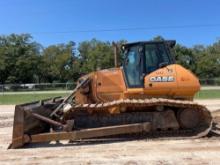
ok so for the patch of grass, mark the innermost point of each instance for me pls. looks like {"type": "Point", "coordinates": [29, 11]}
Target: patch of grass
{"type": "Point", "coordinates": [25, 98]}
{"type": "Point", "coordinates": [208, 94]}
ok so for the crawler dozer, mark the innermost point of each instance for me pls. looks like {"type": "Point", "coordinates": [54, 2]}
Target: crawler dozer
{"type": "Point", "coordinates": [149, 95]}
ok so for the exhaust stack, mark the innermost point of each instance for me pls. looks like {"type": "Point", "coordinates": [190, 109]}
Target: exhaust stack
{"type": "Point", "coordinates": [115, 47]}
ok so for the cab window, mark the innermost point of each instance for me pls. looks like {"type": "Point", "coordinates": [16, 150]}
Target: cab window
{"type": "Point", "coordinates": [132, 66]}
{"type": "Point", "coordinates": [155, 55]}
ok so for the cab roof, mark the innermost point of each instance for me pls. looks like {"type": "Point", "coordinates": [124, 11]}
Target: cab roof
{"type": "Point", "coordinates": [170, 43]}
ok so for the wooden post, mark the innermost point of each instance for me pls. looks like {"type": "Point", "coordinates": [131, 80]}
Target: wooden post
{"type": "Point", "coordinates": [115, 47]}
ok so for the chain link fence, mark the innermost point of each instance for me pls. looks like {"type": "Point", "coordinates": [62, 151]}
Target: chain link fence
{"type": "Point", "coordinates": [210, 82]}
{"type": "Point", "coordinates": [4, 88]}
{"type": "Point", "coordinates": [70, 86]}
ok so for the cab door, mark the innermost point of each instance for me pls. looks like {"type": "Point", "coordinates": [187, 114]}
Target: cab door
{"type": "Point", "coordinates": [133, 67]}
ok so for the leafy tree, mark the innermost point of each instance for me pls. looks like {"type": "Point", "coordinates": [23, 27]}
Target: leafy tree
{"type": "Point", "coordinates": [19, 57]}
{"type": "Point", "coordinates": [185, 57]}
{"type": "Point", "coordinates": [58, 64]}
{"type": "Point", "coordinates": [23, 60]}
{"type": "Point", "coordinates": [158, 38]}
{"type": "Point", "coordinates": [209, 61]}
{"type": "Point", "coordinates": [95, 55]}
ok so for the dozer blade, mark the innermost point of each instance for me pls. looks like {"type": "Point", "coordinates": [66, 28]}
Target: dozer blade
{"type": "Point", "coordinates": [26, 122]}
{"type": "Point", "coordinates": [36, 117]}
{"type": "Point", "coordinates": [32, 123]}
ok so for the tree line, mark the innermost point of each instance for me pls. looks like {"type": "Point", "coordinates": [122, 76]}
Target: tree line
{"type": "Point", "coordinates": [23, 60]}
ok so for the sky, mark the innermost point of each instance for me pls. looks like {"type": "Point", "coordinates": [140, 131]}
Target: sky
{"type": "Point", "coordinates": [190, 22]}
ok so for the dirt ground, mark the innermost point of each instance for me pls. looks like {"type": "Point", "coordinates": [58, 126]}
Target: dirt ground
{"type": "Point", "coordinates": [199, 151]}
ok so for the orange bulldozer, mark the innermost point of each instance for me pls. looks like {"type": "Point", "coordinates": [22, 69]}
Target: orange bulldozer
{"type": "Point", "coordinates": [148, 95]}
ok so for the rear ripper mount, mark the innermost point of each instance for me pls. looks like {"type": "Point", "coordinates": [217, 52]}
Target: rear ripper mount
{"type": "Point", "coordinates": [33, 124]}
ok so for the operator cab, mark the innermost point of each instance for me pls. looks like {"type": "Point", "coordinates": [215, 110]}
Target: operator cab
{"type": "Point", "coordinates": [142, 58]}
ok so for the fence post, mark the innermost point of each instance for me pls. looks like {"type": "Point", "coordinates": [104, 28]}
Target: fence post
{"type": "Point", "coordinates": [2, 89]}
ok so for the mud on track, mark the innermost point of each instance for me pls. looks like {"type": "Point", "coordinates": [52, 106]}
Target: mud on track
{"type": "Point", "coordinates": [199, 151]}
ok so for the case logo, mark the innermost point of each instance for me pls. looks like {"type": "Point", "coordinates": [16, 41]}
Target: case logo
{"type": "Point", "coordinates": [162, 79]}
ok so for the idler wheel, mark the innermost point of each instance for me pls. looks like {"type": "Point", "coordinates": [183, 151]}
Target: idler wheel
{"type": "Point", "coordinates": [188, 118]}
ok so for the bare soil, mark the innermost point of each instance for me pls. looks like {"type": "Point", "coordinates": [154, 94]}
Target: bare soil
{"type": "Point", "coordinates": [198, 151]}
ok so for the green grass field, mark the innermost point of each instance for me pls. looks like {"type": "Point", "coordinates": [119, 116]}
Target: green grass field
{"type": "Point", "coordinates": [25, 98]}
{"type": "Point", "coordinates": [208, 94]}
